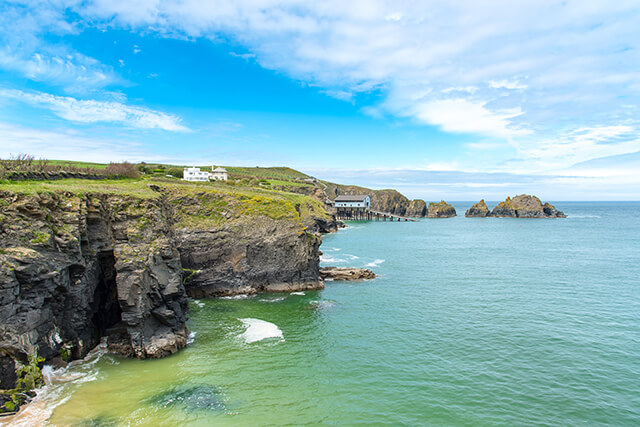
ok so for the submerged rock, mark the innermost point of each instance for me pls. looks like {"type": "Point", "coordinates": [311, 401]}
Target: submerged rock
{"type": "Point", "coordinates": [441, 209]}
{"type": "Point", "coordinates": [191, 398]}
{"type": "Point", "coordinates": [346, 273]}
{"type": "Point", "coordinates": [479, 210]}
{"type": "Point", "coordinates": [526, 206]}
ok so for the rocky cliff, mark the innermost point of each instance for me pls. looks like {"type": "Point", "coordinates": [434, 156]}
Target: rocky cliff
{"type": "Point", "coordinates": [479, 210]}
{"type": "Point", "coordinates": [77, 268]}
{"type": "Point", "coordinates": [440, 209]}
{"type": "Point", "coordinates": [526, 206]}
{"type": "Point", "coordinates": [390, 201]}
{"type": "Point", "coordinates": [103, 261]}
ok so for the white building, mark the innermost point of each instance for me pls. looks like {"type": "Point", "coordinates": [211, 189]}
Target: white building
{"type": "Point", "coordinates": [219, 174]}
{"type": "Point", "coordinates": [353, 202]}
{"type": "Point", "coordinates": [195, 174]}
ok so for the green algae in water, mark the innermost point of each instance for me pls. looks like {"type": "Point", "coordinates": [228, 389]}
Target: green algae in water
{"type": "Point", "coordinates": [190, 397]}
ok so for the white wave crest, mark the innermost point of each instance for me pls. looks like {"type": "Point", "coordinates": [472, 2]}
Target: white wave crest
{"type": "Point", "coordinates": [241, 296]}
{"type": "Point", "coordinates": [297, 293]}
{"type": "Point", "coordinates": [272, 299]}
{"type": "Point", "coordinates": [258, 330]}
{"type": "Point", "coordinates": [198, 303]}
{"type": "Point", "coordinates": [191, 338]}
{"type": "Point", "coordinates": [375, 263]}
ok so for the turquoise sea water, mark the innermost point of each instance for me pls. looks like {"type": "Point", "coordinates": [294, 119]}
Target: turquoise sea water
{"type": "Point", "coordinates": [471, 322]}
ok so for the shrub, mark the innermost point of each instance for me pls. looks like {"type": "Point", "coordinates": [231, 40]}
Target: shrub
{"type": "Point", "coordinates": [125, 170]}
{"type": "Point", "coordinates": [177, 172]}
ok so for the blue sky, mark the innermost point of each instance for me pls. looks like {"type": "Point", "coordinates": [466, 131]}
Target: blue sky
{"type": "Point", "coordinates": [460, 101]}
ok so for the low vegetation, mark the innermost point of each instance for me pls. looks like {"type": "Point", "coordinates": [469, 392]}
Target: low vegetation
{"type": "Point", "coordinates": [24, 166]}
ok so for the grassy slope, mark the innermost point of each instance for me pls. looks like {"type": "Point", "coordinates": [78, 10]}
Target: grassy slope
{"type": "Point", "coordinates": [197, 204]}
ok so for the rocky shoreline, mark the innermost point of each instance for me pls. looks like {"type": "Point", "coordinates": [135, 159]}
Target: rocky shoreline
{"type": "Point", "coordinates": [78, 267]}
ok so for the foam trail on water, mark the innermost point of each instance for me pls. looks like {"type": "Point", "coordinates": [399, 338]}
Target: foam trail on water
{"type": "Point", "coordinates": [241, 296]}
{"type": "Point", "coordinates": [272, 299]}
{"type": "Point", "coordinates": [258, 330]}
{"type": "Point", "coordinates": [375, 263]}
{"type": "Point", "coordinates": [191, 338]}
{"type": "Point", "coordinates": [55, 391]}
{"type": "Point", "coordinates": [198, 303]}
{"type": "Point", "coordinates": [296, 293]}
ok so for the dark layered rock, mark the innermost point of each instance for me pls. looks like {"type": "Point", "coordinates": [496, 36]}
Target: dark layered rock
{"type": "Point", "coordinates": [389, 201]}
{"type": "Point", "coordinates": [417, 209]}
{"type": "Point", "coordinates": [441, 209]}
{"type": "Point", "coordinates": [526, 206]}
{"type": "Point", "coordinates": [479, 210]}
{"type": "Point", "coordinates": [78, 268]}
{"type": "Point", "coordinates": [264, 255]}
{"type": "Point", "coordinates": [324, 226]}
{"type": "Point", "coordinates": [346, 273]}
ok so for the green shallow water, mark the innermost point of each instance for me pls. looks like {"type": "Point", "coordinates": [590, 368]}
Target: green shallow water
{"type": "Point", "coordinates": [471, 322]}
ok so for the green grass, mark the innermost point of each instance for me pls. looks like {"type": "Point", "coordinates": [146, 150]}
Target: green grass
{"type": "Point", "coordinates": [278, 173]}
{"type": "Point", "coordinates": [196, 204]}
{"type": "Point", "coordinates": [78, 164]}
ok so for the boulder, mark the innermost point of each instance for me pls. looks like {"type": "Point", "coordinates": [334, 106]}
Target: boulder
{"type": "Point", "coordinates": [346, 273]}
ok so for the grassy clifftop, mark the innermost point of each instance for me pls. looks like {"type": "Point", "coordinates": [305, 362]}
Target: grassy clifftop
{"type": "Point", "coordinates": [195, 204]}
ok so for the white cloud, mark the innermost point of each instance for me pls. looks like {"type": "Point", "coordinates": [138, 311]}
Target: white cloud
{"type": "Point", "coordinates": [245, 56]}
{"type": "Point", "coordinates": [462, 115]}
{"type": "Point", "coordinates": [342, 95]}
{"type": "Point", "coordinates": [526, 72]}
{"type": "Point", "coordinates": [469, 52]}
{"type": "Point", "coordinates": [24, 49]}
{"type": "Point", "coordinates": [90, 111]}
{"type": "Point", "coordinates": [69, 145]}
{"type": "Point", "coordinates": [506, 84]}
{"type": "Point", "coordinates": [562, 150]}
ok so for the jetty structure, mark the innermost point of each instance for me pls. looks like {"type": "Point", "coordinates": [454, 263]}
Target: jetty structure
{"type": "Point", "coordinates": [358, 207]}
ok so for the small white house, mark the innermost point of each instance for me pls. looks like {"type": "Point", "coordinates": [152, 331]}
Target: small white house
{"type": "Point", "coordinates": [195, 174]}
{"type": "Point", "coordinates": [219, 174]}
{"type": "Point", "coordinates": [358, 201]}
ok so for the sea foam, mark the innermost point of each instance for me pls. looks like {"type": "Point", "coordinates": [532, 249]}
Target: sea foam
{"type": "Point", "coordinates": [375, 263]}
{"type": "Point", "coordinates": [258, 330]}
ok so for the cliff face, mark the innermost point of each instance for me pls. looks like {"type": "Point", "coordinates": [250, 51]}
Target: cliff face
{"type": "Point", "coordinates": [265, 255]}
{"type": "Point", "coordinates": [76, 268]}
{"type": "Point", "coordinates": [389, 201]}
{"type": "Point", "coordinates": [526, 206]}
{"type": "Point", "coordinates": [440, 210]}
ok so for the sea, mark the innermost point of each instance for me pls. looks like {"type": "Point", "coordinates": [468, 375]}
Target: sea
{"type": "Point", "coordinates": [470, 322]}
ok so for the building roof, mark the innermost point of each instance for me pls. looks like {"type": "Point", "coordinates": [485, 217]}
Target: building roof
{"type": "Point", "coordinates": [354, 198]}
{"type": "Point", "coordinates": [219, 169]}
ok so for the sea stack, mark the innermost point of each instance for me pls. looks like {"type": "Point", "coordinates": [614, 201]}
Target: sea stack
{"type": "Point", "coordinates": [479, 210]}
{"type": "Point", "coordinates": [526, 206]}
{"type": "Point", "coordinates": [441, 209]}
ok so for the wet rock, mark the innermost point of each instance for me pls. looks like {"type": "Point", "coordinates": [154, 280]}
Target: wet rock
{"type": "Point", "coordinates": [346, 273]}
{"type": "Point", "coordinates": [441, 209]}
{"type": "Point", "coordinates": [479, 210]}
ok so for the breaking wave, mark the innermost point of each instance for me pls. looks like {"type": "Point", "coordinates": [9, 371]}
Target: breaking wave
{"type": "Point", "coordinates": [258, 330]}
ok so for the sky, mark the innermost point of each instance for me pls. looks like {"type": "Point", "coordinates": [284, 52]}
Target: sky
{"type": "Point", "coordinates": [456, 100]}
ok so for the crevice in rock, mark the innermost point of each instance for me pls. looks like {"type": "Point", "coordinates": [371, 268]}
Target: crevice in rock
{"type": "Point", "coordinates": [106, 308]}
